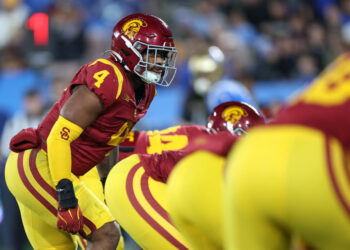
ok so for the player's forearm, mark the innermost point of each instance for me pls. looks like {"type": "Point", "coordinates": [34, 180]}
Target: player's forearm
{"type": "Point", "coordinates": [62, 134]}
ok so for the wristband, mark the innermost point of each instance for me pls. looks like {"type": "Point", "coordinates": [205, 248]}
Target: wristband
{"type": "Point", "coordinates": [66, 195]}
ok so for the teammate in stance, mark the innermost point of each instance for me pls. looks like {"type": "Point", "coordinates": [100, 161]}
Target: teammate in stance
{"type": "Point", "coordinates": [292, 177]}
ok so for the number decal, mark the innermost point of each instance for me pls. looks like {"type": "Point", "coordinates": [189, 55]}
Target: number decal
{"type": "Point", "coordinates": [131, 136]}
{"type": "Point", "coordinates": [162, 141]}
{"type": "Point", "coordinates": [121, 134]}
{"type": "Point", "coordinates": [100, 77]}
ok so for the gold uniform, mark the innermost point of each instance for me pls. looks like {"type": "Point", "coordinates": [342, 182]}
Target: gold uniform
{"type": "Point", "coordinates": [35, 189]}
{"type": "Point", "coordinates": [194, 199]}
{"type": "Point", "coordinates": [292, 177]}
{"type": "Point", "coordinates": [135, 187]}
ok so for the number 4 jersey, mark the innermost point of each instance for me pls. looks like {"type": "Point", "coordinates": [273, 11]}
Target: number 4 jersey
{"type": "Point", "coordinates": [108, 80]}
{"type": "Point", "coordinates": [325, 104]}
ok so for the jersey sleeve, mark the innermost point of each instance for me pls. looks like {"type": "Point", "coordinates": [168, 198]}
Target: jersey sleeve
{"type": "Point", "coordinates": [159, 166]}
{"type": "Point", "coordinates": [173, 138]}
{"type": "Point", "coordinates": [103, 78]}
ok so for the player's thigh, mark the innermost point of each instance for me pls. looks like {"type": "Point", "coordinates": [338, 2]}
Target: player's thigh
{"type": "Point", "coordinates": [93, 182]}
{"type": "Point", "coordinates": [318, 191]}
{"type": "Point", "coordinates": [194, 197]}
{"type": "Point", "coordinates": [138, 203]}
{"type": "Point", "coordinates": [95, 211]}
{"type": "Point", "coordinates": [255, 190]}
{"type": "Point", "coordinates": [28, 178]}
{"type": "Point", "coordinates": [279, 179]}
{"type": "Point", "coordinates": [42, 235]}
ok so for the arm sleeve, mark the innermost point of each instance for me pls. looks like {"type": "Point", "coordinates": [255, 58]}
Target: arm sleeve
{"type": "Point", "coordinates": [62, 134]}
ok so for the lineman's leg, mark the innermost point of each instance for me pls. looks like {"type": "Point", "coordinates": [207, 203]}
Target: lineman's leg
{"type": "Point", "coordinates": [29, 180]}
{"type": "Point", "coordinates": [138, 203]}
{"type": "Point", "coordinates": [92, 181]}
{"type": "Point", "coordinates": [194, 198]}
{"type": "Point", "coordinates": [255, 176]}
{"type": "Point", "coordinates": [35, 227]}
{"type": "Point", "coordinates": [279, 183]}
{"type": "Point", "coordinates": [322, 160]}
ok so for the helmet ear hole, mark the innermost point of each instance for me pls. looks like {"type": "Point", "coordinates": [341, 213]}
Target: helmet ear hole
{"type": "Point", "coordinates": [126, 53]}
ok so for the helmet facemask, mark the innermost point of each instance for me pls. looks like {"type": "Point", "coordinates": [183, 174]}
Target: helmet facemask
{"type": "Point", "coordinates": [145, 52]}
{"type": "Point", "coordinates": [148, 60]}
{"type": "Point", "coordinates": [226, 126]}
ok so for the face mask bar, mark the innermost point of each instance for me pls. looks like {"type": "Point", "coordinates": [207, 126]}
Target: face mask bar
{"type": "Point", "coordinates": [239, 131]}
{"type": "Point", "coordinates": [229, 126]}
{"type": "Point", "coordinates": [149, 61]}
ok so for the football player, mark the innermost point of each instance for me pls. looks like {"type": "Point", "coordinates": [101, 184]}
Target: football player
{"type": "Point", "coordinates": [135, 187]}
{"type": "Point", "coordinates": [292, 176]}
{"type": "Point", "coordinates": [194, 188]}
{"type": "Point", "coordinates": [94, 114]}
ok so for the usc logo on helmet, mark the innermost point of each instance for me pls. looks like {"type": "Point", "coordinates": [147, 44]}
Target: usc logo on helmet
{"type": "Point", "coordinates": [132, 27]}
{"type": "Point", "coordinates": [233, 114]}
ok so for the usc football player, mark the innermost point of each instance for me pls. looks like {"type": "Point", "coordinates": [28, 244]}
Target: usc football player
{"type": "Point", "coordinates": [103, 102]}
{"type": "Point", "coordinates": [292, 176]}
{"type": "Point", "coordinates": [136, 187]}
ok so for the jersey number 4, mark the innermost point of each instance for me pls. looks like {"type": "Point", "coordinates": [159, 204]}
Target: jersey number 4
{"type": "Point", "coordinates": [100, 77]}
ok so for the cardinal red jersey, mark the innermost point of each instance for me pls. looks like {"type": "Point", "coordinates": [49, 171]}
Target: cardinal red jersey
{"type": "Point", "coordinates": [173, 138]}
{"type": "Point", "coordinates": [127, 147]}
{"type": "Point", "coordinates": [159, 166]}
{"type": "Point", "coordinates": [108, 80]}
{"type": "Point", "coordinates": [325, 104]}
{"type": "Point", "coordinates": [151, 142]}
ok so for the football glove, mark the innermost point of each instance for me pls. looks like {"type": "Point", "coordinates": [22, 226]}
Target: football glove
{"type": "Point", "coordinates": [69, 215]}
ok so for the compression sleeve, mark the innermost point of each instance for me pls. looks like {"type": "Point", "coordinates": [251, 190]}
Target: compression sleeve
{"type": "Point", "coordinates": [62, 134]}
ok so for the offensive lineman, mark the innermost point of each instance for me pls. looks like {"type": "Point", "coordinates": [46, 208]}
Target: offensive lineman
{"type": "Point", "coordinates": [194, 190]}
{"type": "Point", "coordinates": [136, 187]}
{"type": "Point", "coordinates": [298, 180]}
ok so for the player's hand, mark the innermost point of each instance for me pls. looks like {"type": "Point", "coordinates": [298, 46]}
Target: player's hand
{"type": "Point", "coordinates": [69, 214]}
{"type": "Point", "coordinates": [70, 220]}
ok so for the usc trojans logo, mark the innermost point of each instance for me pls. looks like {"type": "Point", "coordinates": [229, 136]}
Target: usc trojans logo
{"type": "Point", "coordinates": [233, 114]}
{"type": "Point", "coordinates": [65, 133]}
{"type": "Point", "coordinates": [131, 28]}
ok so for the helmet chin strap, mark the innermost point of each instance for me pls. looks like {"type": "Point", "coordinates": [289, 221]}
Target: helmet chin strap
{"type": "Point", "coordinates": [150, 76]}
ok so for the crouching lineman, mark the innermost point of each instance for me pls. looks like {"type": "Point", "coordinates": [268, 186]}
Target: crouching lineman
{"type": "Point", "coordinates": [136, 187]}
{"type": "Point", "coordinates": [195, 185]}
{"type": "Point", "coordinates": [292, 177]}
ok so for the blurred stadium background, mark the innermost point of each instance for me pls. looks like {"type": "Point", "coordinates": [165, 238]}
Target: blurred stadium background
{"type": "Point", "coordinates": [258, 51]}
